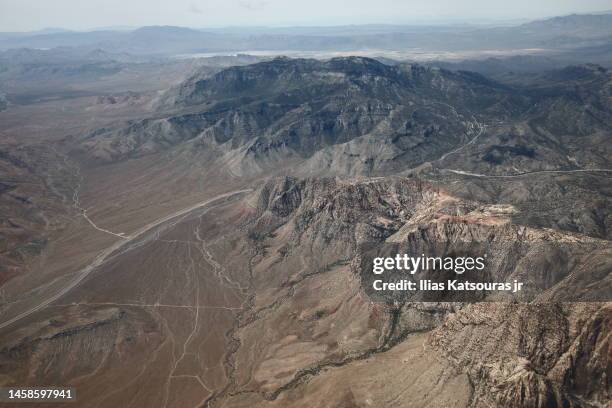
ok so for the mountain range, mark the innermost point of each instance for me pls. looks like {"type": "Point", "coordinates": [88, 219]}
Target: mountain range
{"type": "Point", "coordinates": [196, 233]}
{"type": "Point", "coordinates": [558, 33]}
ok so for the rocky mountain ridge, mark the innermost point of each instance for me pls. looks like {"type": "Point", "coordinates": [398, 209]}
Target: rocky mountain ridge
{"type": "Point", "coordinates": [358, 116]}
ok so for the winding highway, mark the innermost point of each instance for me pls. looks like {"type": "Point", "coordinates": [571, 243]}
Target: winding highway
{"type": "Point", "coordinates": [467, 173]}
{"type": "Point", "coordinates": [481, 128]}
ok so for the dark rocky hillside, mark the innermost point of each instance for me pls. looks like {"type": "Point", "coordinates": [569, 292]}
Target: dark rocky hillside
{"type": "Point", "coordinates": [359, 116]}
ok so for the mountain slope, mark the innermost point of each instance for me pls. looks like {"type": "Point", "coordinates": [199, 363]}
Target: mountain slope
{"type": "Point", "coordinates": [359, 116]}
{"type": "Point", "coordinates": [305, 105]}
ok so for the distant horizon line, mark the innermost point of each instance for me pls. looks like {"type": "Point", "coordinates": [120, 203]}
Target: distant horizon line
{"type": "Point", "coordinates": [434, 22]}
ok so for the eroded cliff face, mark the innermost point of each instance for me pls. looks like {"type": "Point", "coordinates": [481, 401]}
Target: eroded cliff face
{"type": "Point", "coordinates": [530, 355]}
{"type": "Point", "coordinates": [320, 326]}
{"type": "Point", "coordinates": [421, 218]}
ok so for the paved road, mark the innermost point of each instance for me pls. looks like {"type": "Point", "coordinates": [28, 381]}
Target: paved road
{"type": "Point", "coordinates": [467, 173]}
{"type": "Point", "coordinates": [481, 129]}
{"type": "Point", "coordinates": [99, 260]}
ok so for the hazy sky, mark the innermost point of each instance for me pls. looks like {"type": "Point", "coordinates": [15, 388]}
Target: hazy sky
{"type": "Point", "coordinates": [23, 15]}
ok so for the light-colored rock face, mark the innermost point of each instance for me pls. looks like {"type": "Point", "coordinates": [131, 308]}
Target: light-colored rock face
{"type": "Point", "coordinates": [485, 354]}
{"type": "Point", "coordinates": [536, 355]}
